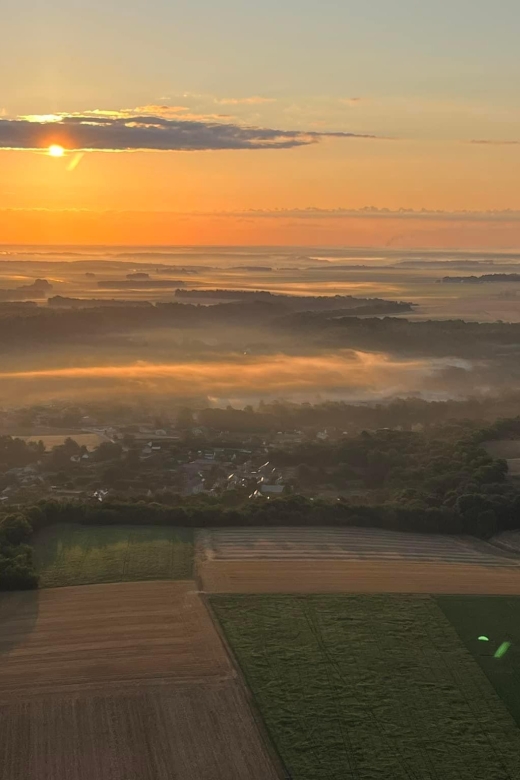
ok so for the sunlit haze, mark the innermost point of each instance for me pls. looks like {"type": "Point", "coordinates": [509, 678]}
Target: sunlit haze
{"type": "Point", "coordinates": [269, 124]}
{"type": "Point", "coordinates": [260, 390]}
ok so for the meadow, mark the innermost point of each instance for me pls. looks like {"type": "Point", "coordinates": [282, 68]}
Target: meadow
{"type": "Point", "coordinates": [497, 620]}
{"type": "Point", "coordinates": [80, 555]}
{"type": "Point", "coordinates": [369, 686]}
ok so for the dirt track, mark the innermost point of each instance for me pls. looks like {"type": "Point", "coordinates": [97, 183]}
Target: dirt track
{"type": "Point", "coordinates": [121, 682]}
{"type": "Point", "coordinates": [337, 576]}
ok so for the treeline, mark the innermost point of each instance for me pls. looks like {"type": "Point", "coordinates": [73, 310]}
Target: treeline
{"type": "Point", "coordinates": [482, 279]}
{"type": "Point", "coordinates": [296, 511]}
{"type": "Point", "coordinates": [17, 453]}
{"type": "Point", "coordinates": [38, 289]}
{"type": "Point", "coordinates": [393, 334]}
{"type": "Point", "coordinates": [338, 328]}
{"type": "Point", "coordinates": [503, 428]}
{"type": "Point", "coordinates": [448, 485]}
{"type": "Point", "coordinates": [405, 412]}
{"type": "Point", "coordinates": [329, 303]}
{"type": "Point", "coordinates": [17, 570]}
{"type": "Point", "coordinates": [60, 324]}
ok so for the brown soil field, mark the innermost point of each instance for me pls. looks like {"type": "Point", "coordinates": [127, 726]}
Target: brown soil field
{"type": "Point", "coordinates": [126, 681]}
{"type": "Point", "coordinates": [341, 576]}
{"type": "Point", "coordinates": [115, 635]}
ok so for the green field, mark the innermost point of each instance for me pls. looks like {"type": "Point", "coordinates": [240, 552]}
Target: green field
{"type": "Point", "coordinates": [369, 687]}
{"type": "Point", "coordinates": [81, 555]}
{"type": "Point", "coordinates": [498, 619]}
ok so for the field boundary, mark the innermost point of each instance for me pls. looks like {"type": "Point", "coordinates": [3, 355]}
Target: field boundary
{"type": "Point", "coordinates": [241, 679]}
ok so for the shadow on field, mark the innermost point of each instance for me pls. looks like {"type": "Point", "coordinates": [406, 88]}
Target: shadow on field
{"type": "Point", "coordinates": [18, 617]}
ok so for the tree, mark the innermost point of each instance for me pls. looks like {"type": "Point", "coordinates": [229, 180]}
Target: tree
{"type": "Point", "coordinates": [15, 529]}
{"type": "Point", "coordinates": [107, 450]}
{"type": "Point", "coordinates": [185, 419]}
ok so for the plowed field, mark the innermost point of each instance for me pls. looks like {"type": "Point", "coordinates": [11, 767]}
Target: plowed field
{"type": "Point", "coordinates": [355, 577]}
{"type": "Point", "coordinates": [121, 682]}
{"type": "Point", "coordinates": [341, 560]}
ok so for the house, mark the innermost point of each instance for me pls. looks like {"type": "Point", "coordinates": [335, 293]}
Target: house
{"type": "Point", "coordinates": [272, 490]}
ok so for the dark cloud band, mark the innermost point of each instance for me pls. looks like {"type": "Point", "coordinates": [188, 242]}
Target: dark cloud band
{"type": "Point", "coordinates": [150, 133]}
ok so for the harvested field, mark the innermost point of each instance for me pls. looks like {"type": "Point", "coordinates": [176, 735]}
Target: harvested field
{"type": "Point", "coordinates": [348, 544]}
{"type": "Point", "coordinates": [342, 560]}
{"type": "Point", "coordinates": [79, 555]}
{"type": "Point", "coordinates": [369, 687]}
{"type": "Point", "coordinates": [355, 577]}
{"type": "Point", "coordinates": [509, 540]}
{"type": "Point", "coordinates": [121, 682]}
{"type": "Point", "coordinates": [96, 636]}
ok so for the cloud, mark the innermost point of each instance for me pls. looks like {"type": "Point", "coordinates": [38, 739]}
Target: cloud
{"type": "Point", "coordinates": [370, 212]}
{"type": "Point", "coordinates": [183, 113]}
{"type": "Point", "coordinates": [245, 101]}
{"type": "Point", "coordinates": [489, 142]}
{"type": "Point", "coordinates": [111, 131]}
{"type": "Point", "coordinates": [311, 214]}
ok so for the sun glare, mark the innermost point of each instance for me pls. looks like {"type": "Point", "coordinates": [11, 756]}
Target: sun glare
{"type": "Point", "coordinates": [56, 151]}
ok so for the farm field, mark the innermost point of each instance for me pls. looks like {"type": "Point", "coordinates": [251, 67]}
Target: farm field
{"type": "Point", "coordinates": [509, 540]}
{"type": "Point", "coordinates": [88, 440]}
{"type": "Point", "coordinates": [354, 577]}
{"type": "Point", "coordinates": [365, 687]}
{"type": "Point", "coordinates": [498, 619]}
{"type": "Point", "coordinates": [349, 544]}
{"type": "Point", "coordinates": [339, 560]}
{"type": "Point", "coordinates": [99, 636]}
{"type": "Point", "coordinates": [121, 682]}
{"type": "Point", "coordinates": [77, 555]}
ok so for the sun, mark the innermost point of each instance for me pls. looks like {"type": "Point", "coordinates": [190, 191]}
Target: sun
{"type": "Point", "coordinates": [56, 151]}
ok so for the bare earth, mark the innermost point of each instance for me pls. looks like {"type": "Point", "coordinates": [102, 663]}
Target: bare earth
{"type": "Point", "coordinates": [126, 681]}
{"type": "Point", "coordinates": [351, 560]}
{"type": "Point", "coordinates": [355, 577]}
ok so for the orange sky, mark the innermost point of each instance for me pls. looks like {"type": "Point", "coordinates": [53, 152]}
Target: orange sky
{"type": "Point", "coordinates": [211, 197]}
{"type": "Point", "coordinates": [259, 106]}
